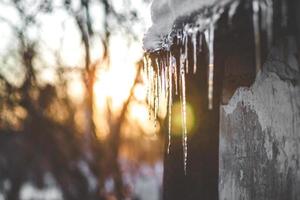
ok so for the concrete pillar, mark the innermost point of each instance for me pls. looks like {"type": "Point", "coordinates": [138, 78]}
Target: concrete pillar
{"type": "Point", "coordinates": [259, 150]}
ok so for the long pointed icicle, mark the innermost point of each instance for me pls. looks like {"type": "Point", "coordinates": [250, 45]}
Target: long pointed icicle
{"type": "Point", "coordinates": [183, 111]}
{"type": "Point", "coordinates": [195, 51]}
{"type": "Point", "coordinates": [185, 40]}
{"type": "Point", "coordinates": [150, 90]}
{"type": "Point", "coordinates": [163, 82]}
{"type": "Point", "coordinates": [232, 11]}
{"type": "Point", "coordinates": [284, 14]}
{"type": "Point", "coordinates": [167, 82]}
{"type": "Point", "coordinates": [148, 94]}
{"type": "Point", "coordinates": [209, 35]}
{"type": "Point", "coordinates": [184, 122]}
{"type": "Point", "coordinates": [155, 98]}
{"type": "Point", "coordinates": [269, 22]}
{"type": "Point", "coordinates": [158, 93]}
{"type": "Point", "coordinates": [170, 103]}
{"type": "Point", "coordinates": [255, 8]}
{"type": "Point", "coordinates": [175, 75]}
{"type": "Point", "coordinates": [200, 42]}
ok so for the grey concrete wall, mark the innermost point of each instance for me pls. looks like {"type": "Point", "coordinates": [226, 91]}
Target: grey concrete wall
{"type": "Point", "coordinates": [259, 151]}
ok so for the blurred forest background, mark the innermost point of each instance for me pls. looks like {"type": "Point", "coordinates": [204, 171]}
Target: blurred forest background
{"type": "Point", "coordinates": [74, 123]}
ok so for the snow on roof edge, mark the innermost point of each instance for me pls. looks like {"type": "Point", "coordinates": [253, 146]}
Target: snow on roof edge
{"type": "Point", "coordinates": [168, 16]}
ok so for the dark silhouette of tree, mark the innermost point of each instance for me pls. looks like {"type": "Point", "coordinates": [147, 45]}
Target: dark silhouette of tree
{"type": "Point", "coordinates": [38, 130]}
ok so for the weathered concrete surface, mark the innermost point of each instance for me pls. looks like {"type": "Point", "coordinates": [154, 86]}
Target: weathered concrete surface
{"type": "Point", "coordinates": [259, 147]}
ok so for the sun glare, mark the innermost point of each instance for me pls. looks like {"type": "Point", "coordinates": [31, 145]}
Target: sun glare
{"type": "Point", "coordinates": [113, 86]}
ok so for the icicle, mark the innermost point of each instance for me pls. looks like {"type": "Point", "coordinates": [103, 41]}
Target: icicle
{"type": "Point", "coordinates": [195, 51]}
{"type": "Point", "coordinates": [209, 36]}
{"type": "Point", "coordinates": [145, 65]}
{"type": "Point", "coordinates": [232, 11]}
{"type": "Point", "coordinates": [148, 94]}
{"type": "Point", "coordinates": [270, 22]}
{"type": "Point", "coordinates": [183, 112]}
{"type": "Point", "coordinates": [185, 42]}
{"type": "Point", "coordinates": [200, 42]}
{"type": "Point", "coordinates": [255, 8]}
{"type": "Point", "coordinates": [158, 92]}
{"type": "Point", "coordinates": [266, 8]}
{"type": "Point", "coordinates": [175, 75]}
{"type": "Point", "coordinates": [284, 13]}
{"type": "Point", "coordinates": [153, 93]}
{"type": "Point", "coordinates": [178, 37]}
{"type": "Point", "coordinates": [155, 98]}
{"type": "Point", "coordinates": [161, 77]}
{"type": "Point", "coordinates": [170, 96]}
{"type": "Point", "coordinates": [167, 80]}
{"type": "Point", "coordinates": [150, 87]}
{"type": "Point", "coordinates": [162, 81]}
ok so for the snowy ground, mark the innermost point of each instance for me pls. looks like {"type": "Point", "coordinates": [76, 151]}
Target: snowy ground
{"type": "Point", "coordinates": [144, 183]}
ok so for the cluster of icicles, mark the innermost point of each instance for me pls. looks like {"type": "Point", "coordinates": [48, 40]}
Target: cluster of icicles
{"type": "Point", "coordinates": [167, 78]}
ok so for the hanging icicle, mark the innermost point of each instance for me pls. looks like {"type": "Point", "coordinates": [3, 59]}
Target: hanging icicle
{"type": "Point", "coordinates": [183, 108]}
{"type": "Point", "coordinates": [284, 13]}
{"type": "Point", "coordinates": [255, 9]}
{"type": "Point", "coordinates": [170, 100]}
{"type": "Point", "coordinates": [175, 75]}
{"type": "Point", "coordinates": [194, 40]}
{"type": "Point", "coordinates": [209, 36]}
{"type": "Point", "coordinates": [267, 15]}
{"type": "Point", "coordinates": [232, 10]}
{"type": "Point", "coordinates": [185, 55]}
{"type": "Point", "coordinates": [270, 23]}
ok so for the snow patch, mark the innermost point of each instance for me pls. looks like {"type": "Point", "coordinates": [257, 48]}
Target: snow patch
{"type": "Point", "coordinates": [50, 192]}
{"type": "Point", "coordinates": [29, 191]}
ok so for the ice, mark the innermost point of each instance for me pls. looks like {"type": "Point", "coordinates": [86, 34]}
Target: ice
{"type": "Point", "coordinates": [255, 8]}
{"type": "Point", "coordinates": [209, 36]}
{"type": "Point", "coordinates": [183, 105]}
{"type": "Point", "coordinates": [185, 56]}
{"type": "Point", "coordinates": [175, 75]}
{"type": "Point", "coordinates": [232, 10]}
{"type": "Point", "coordinates": [267, 22]}
{"type": "Point", "coordinates": [183, 114]}
{"type": "Point", "coordinates": [194, 40]}
{"type": "Point", "coordinates": [170, 68]}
